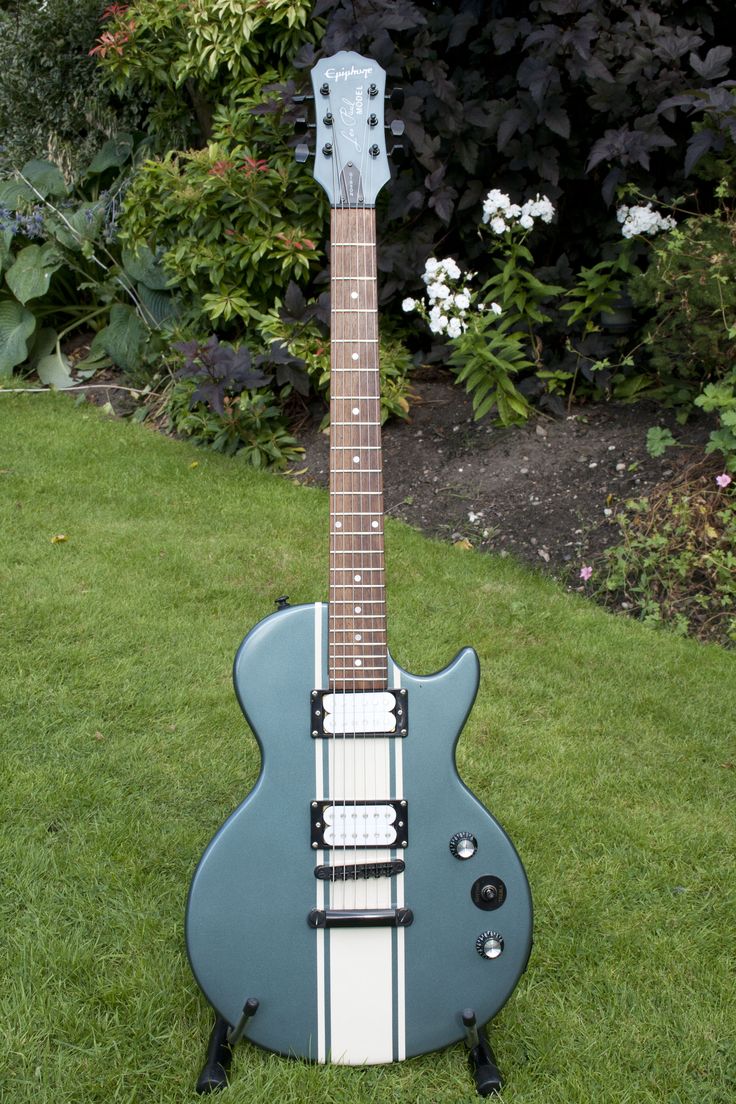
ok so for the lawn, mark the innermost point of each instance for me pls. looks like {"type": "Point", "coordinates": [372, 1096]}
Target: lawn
{"type": "Point", "coordinates": [605, 749]}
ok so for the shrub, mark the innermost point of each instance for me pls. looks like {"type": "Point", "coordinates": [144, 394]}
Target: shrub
{"type": "Point", "coordinates": [53, 102]}
{"type": "Point", "coordinates": [675, 565]}
{"type": "Point", "coordinates": [689, 293]}
{"type": "Point", "coordinates": [62, 271]}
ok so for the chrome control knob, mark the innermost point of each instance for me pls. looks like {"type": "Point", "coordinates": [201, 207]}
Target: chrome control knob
{"type": "Point", "coordinates": [463, 845]}
{"type": "Point", "coordinates": [489, 944]}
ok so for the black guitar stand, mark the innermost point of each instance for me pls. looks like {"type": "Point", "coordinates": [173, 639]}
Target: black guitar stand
{"type": "Point", "coordinates": [481, 1059]}
{"type": "Point", "coordinates": [223, 1038]}
{"type": "Point", "coordinates": [220, 1050]}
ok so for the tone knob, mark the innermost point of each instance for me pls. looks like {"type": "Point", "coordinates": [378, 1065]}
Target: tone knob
{"type": "Point", "coordinates": [463, 845]}
{"type": "Point", "coordinates": [489, 944]}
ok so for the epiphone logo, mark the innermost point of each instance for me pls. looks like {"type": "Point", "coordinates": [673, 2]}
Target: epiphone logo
{"type": "Point", "coordinates": [346, 74]}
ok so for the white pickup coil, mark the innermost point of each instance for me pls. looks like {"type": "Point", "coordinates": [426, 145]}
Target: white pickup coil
{"type": "Point", "coordinates": [359, 826]}
{"type": "Point", "coordinates": [348, 714]}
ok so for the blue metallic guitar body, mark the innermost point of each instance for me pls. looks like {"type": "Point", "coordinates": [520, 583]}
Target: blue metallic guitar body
{"type": "Point", "coordinates": [355, 994]}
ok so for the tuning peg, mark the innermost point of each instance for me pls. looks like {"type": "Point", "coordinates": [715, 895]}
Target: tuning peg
{"type": "Point", "coordinates": [302, 99]}
{"type": "Point", "coordinates": [396, 98]}
{"type": "Point", "coordinates": [398, 154]}
{"type": "Point", "coordinates": [302, 152]}
{"type": "Point", "coordinates": [397, 127]}
{"type": "Point", "coordinates": [301, 125]}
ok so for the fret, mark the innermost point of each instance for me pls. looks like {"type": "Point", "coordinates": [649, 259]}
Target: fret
{"type": "Point", "coordinates": [354, 340]}
{"type": "Point", "coordinates": [355, 310]}
{"type": "Point", "coordinates": [353, 277]}
{"type": "Point", "coordinates": [353, 243]}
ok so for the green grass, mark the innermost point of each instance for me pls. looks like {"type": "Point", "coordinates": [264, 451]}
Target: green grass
{"type": "Point", "coordinates": [605, 749]}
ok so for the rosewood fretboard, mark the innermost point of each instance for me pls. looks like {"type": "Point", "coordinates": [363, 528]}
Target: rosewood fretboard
{"type": "Point", "coordinates": [357, 617]}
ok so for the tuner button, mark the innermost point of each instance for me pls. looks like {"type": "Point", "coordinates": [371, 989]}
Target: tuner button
{"type": "Point", "coordinates": [301, 99]}
{"type": "Point", "coordinates": [300, 125]}
{"type": "Point", "coordinates": [398, 154]}
{"type": "Point", "coordinates": [396, 99]}
{"type": "Point", "coordinates": [463, 845]}
{"type": "Point", "coordinates": [397, 127]}
{"type": "Point", "coordinates": [489, 944]}
{"type": "Point", "coordinates": [301, 153]}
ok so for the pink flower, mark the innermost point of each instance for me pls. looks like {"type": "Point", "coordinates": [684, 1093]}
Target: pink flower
{"type": "Point", "coordinates": [585, 572]}
{"type": "Point", "coordinates": [723, 480]}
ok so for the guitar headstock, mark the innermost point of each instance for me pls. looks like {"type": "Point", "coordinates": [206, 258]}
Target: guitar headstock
{"type": "Point", "coordinates": [351, 160]}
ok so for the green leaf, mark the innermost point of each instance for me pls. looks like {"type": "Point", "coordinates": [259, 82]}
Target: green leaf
{"type": "Point", "coordinates": [113, 154]}
{"type": "Point", "coordinates": [15, 194]}
{"type": "Point", "coordinates": [45, 177]}
{"type": "Point", "coordinates": [146, 267]}
{"type": "Point", "coordinates": [158, 304]}
{"type": "Point", "coordinates": [16, 326]}
{"type": "Point", "coordinates": [78, 226]}
{"type": "Point", "coordinates": [42, 344]}
{"type": "Point", "coordinates": [124, 337]}
{"type": "Point", "coordinates": [659, 439]}
{"type": "Point", "coordinates": [6, 256]}
{"type": "Point", "coordinates": [53, 370]}
{"type": "Point", "coordinates": [30, 274]}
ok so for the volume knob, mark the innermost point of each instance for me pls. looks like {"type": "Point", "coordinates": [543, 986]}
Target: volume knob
{"type": "Point", "coordinates": [489, 944]}
{"type": "Point", "coordinates": [463, 845]}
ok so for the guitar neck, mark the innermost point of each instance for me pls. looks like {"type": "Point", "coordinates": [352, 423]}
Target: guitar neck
{"type": "Point", "coordinates": [357, 612]}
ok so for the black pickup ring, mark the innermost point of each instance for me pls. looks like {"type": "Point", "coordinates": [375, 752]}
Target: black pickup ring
{"type": "Point", "coordinates": [354, 871]}
{"type": "Point", "coordinates": [400, 711]}
{"type": "Point", "coordinates": [360, 918]}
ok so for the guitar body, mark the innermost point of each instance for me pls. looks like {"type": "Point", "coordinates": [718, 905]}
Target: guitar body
{"type": "Point", "coordinates": [354, 994]}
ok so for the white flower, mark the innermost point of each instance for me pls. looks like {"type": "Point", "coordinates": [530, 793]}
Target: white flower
{"type": "Point", "coordinates": [454, 327]}
{"type": "Point", "coordinates": [451, 268]}
{"type": "Point", "coordinates": [438, 291]}
{"type": "Point", "coordinates": [430, 267]}
{"type": "Point", "coordinates": [498, 226]}
{"type": "Point", "coordinates": [409, 305]}
{"type": "Point", "coordinates": [435, 313]}
{"type": "Point", "coordinates": [643, 220]}
{"type": "Point", "coordinates": [496, 308]}
{"type": "Point", "coordinates": [526, 222]}
{"type": "Point", "coordinates": [462, 300]}
{"type": "Point", "coordinates": [439, 325]}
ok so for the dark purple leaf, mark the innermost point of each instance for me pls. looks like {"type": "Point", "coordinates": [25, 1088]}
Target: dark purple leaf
{"type": "Point", "coordinates": [715, 64]}
{"type": "Point", "coordinates": [697, 147]}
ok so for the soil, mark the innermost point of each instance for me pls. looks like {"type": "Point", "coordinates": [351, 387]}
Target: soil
{"type": "Point", "coordinates": [544, 492]}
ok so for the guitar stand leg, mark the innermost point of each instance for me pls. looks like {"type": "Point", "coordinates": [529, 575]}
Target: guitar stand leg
{"type": "Point", "coordinates": [217, 1063]}
{"type": "Point", "coordinates": [220, 1049]}
{"type": "Point", "coordinates": [481, 1059]}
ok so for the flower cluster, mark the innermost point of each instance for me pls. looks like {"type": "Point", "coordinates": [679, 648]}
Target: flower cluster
{"type": "Point", "coordinates": [30, 225]}
{"type": "Point", "coordinates": [448, 297]}
{"type": "Point", "coordinates": [503, 215]}
{"type": "Point", "coordinates": [643, 220]}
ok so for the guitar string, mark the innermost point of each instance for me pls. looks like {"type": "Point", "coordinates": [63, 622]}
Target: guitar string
{"type": "Point", "coordinates": [353, 319]}
{"type": "Point", "coordinates": [366, 267]}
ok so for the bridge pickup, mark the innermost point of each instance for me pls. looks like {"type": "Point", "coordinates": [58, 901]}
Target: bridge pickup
{"type": "Point", "coordinates": [365, 713]}
{"type": "Point", "coordinates": [360, 870]}
{"type": "Point", "coordinates": [360, 918]}
{"type": "Point", "coordinates": [354, 824]}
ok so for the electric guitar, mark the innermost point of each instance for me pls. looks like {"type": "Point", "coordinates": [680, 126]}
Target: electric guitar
{"type": "Point", "coordinates": [360, 905]}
